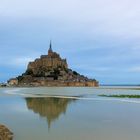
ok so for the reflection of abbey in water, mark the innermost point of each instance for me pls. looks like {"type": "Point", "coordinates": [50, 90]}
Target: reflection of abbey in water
{"type": "Point", "coordinates": [51, 108]}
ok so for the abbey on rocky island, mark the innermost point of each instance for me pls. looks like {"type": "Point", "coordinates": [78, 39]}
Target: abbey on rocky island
{"type": "Point", "coordinates": [51, 70]}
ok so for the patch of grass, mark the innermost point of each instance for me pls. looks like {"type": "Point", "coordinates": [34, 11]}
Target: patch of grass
{"type": "Point", "coordinates": [121, 96]}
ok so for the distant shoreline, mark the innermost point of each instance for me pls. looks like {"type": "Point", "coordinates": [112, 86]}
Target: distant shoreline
{"type": "Point", "coordinates": [121, 95]}
{"type": "Point", "coordinates": [131, 85]}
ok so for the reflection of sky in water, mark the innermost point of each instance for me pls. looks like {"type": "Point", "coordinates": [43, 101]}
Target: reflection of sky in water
{"type": "Point", "coordinates": [70, 119]}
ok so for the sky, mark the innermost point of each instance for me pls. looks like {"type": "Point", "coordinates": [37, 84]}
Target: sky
{"type": "Point", "coordinates": [99, 38]}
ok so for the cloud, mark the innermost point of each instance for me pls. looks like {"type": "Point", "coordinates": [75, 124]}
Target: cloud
{"type": "Point", "coordinates": [16, 62]}
{"type": "Point", "coordinates": [134, 69]}
{"type": "Point", "coordinates": [118, 18]}
{"type": "Point", "coordinates": [21, 61]}
{"type": "Point", "coordinates": [98, 37]}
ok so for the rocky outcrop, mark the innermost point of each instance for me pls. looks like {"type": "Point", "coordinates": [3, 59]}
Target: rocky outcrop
{"type": "Point", "coordinates": [5, 133]}
{"type": "Point", "coordinates": [51, 70]}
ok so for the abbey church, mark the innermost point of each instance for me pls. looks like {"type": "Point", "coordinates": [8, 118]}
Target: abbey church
{"type": "Point", "coordinates": [51, 70]}
{"type": "Point", "coordinates": [46, 64]}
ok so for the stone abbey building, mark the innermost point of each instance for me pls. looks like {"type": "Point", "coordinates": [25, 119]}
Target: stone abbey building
{"type": "Point", "coordinates": [51, 70]}
{"type": "Point", "coordinates": [47, 64]}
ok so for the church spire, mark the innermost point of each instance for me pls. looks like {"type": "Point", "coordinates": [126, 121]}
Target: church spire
{"type": "Point", "coordinates": [50, 49]}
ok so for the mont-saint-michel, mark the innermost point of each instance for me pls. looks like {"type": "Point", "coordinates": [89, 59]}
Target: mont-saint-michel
{"type": "Point", "coordinates": [44, 96]}
{"type": "Point", "coordinates": [51, 70]}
